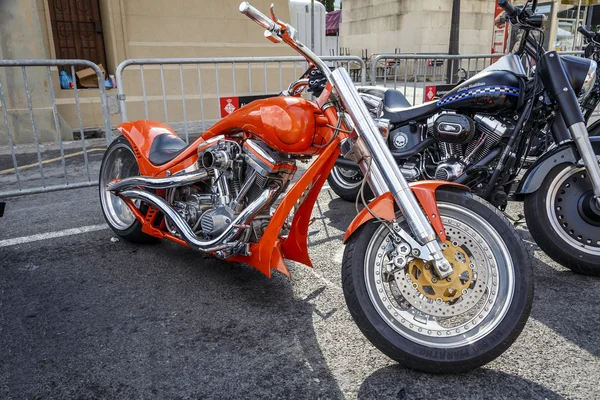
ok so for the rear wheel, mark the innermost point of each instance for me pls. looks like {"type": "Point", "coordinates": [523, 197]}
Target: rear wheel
{"type": "Point", "coordinates": [442, 325]}
{"type": "Point", "coordinates": [119, 162]}
{"type": "Point", "coordinates": [346, 183]}
{"type": "Point", "coordinates": [564, 219]}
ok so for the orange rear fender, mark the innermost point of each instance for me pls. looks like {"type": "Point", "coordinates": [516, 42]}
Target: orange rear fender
{"type": "Point", "coordinates": [383, 207]}
{"type": "Point", "coordinates": [141, 134]}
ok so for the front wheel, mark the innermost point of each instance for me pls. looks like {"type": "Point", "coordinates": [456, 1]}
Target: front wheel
{"type": "Point", "coordinates": [564, 219]}
{"type": "Point", "coordinates": [346, 183]}
{"type": "Point", "coordinates": [442, 325]}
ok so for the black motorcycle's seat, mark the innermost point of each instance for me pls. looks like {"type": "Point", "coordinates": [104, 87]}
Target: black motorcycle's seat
{"type": "Point", "coordinates": [399, 111]}
{"type": "Point", "coordinates": [395, 99]}
{"type": "Point", "coordinates": [165, 147]}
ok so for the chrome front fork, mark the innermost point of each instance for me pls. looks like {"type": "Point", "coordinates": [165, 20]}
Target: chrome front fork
{"type": "Point", "coordinates": [385, 174]}
{"type": "Point", "coordinates": [580, 135]}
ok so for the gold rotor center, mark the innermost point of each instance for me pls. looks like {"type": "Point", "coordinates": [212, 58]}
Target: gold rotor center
{"type": "Point", "coordinates": [425, 280]}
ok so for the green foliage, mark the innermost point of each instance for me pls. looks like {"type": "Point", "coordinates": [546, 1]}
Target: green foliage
{"type": "Point", "coordinates": [328, 4]}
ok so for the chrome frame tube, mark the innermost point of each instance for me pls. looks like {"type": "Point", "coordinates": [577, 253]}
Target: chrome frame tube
{"type": "Point", "coordinates": [184, 229]}
{"type": "Point", "coordinates": [586, 151]}
{"type": "Point", "coordinates": [158, 183]}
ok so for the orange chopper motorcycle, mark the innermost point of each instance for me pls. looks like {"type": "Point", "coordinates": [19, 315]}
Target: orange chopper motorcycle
{"type": "Point", "coordinates": [434, 277]}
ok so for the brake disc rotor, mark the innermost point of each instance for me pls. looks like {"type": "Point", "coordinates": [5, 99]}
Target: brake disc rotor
{"type": "Point", "coordinates": [420, 286]}
{"type": "Point", "coordinates": [425, 280]}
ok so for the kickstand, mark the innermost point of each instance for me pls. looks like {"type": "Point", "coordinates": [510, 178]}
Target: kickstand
{"type": "Point", "coordinates": [516, 222]}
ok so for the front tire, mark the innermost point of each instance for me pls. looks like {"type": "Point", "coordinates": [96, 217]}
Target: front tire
{"type": "Point", "coordinates": [564, 220]}
{"type": "Point", "coordinates": [346, 184]}
{"type": "Point", "coordinates": [425, 326]}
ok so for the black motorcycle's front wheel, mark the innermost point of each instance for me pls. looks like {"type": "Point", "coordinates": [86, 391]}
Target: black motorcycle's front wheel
{"type": "Point", "coordinates": [441, 325]}
{"type": "Point", "coordinates": [564, 219]}
{"type": "Point", "coordinates": [346, 183]}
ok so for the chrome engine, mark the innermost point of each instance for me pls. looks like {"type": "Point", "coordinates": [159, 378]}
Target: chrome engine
{"type": "Point", "coordinates": [456, 157]}
{"type": "Point", "coordinates": [238, 174]}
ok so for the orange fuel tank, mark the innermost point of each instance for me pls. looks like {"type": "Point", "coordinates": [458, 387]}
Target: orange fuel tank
{"type": "Point", "coordinates": [286, 124]}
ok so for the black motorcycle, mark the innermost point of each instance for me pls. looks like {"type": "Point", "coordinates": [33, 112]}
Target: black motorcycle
{"type": "Point", "coordinates": [481, 132]}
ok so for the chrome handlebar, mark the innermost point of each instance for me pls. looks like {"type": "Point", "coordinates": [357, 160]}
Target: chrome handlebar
{"type": "Point", "coordinates": [258, 17]}
{"type": "Point", "coordinates": [286, 33]}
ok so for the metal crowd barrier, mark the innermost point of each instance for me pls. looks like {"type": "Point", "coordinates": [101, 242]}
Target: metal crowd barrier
{"type": "Point", "coordinates": [422, 76]}
{"type": "Point", "coordinates": [413, 73]}
{"type": "Point", "coordinates": [206, 82]}
{"type": "Point", "coordinates": [186, 93]}
{"type": "Point", "coordinates": [26, 147]}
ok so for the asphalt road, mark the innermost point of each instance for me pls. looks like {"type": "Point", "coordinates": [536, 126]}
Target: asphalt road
{"type": "Point", "coordinates": [86, 316]}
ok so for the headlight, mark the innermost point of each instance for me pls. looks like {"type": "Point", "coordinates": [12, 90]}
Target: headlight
{"type": "Point", "coordinates": [588, 84]}
{"type": "Point", "coordinates": [384, 126]}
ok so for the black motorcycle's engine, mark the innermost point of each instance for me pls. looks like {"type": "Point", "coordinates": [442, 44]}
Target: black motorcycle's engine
{"type": "Point", "coordinates": [464, 141]}
{"type": "Point", "coordinates": [453, 128]}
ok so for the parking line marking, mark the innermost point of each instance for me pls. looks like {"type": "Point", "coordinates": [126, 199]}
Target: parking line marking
{"type": "Point", "coordinates": [52, 235]}
{"type": "Point", "coordinates": [326, 281]}
{"type": "Point", "coordinates": [5, 171]}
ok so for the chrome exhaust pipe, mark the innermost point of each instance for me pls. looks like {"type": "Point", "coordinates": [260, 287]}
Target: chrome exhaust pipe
{"type": "Point", "coordinates": [158, 183]}
{"type": "Point", "coordinates": [184, 229]}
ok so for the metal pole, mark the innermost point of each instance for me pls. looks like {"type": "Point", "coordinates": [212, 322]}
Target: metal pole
{"type": "Point", "coordinates": [454, 39]}
{"type": "Point", "coordinates": [553, 25]}
{"type": "Point", "coordinates": [575, 39]}
{"type": "Point", "coordinates": [312, 25]}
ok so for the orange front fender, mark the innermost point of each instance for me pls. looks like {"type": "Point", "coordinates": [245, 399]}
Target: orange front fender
{"type": "Point", "coordinates": [383, 206]}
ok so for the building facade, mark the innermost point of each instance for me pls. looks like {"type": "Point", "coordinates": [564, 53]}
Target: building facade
{"type": "Point", "coordinates": [108, 32]}
{"type": "Point", "coordinates": [415, 26]}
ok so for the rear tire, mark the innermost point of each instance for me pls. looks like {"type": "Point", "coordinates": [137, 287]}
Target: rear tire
{"type": "Point", "coordinates": [346, 184]}
{"type": "Point", "coordinates": [413, 330]}
{"type": "Point", "coordinates": [562, 221]}
{"type": "Point", "coordinates": [119, 162]}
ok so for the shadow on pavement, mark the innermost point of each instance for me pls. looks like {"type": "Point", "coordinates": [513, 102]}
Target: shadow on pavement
{"type": "Point", "coordinates": [562, 300]}
{"type": "Point", "coordinates": [395, 382]}
{"type": "Point", "coordinates": [96, 319]}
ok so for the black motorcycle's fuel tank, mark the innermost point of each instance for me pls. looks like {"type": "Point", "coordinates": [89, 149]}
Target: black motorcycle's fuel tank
{"type": "Point", "coordinates": [486, 92]}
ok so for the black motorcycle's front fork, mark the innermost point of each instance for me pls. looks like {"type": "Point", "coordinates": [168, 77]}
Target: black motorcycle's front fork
{"type": "Point", "coordinates": [559, 87]}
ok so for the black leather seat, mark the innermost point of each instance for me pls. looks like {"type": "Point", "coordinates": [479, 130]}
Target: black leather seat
{"type": "Point", "coordinates": [165, 147]}
{"type": "Point", "coordinates": [399, 111]}
{"type": "Point", "coordinates": [395, 99]}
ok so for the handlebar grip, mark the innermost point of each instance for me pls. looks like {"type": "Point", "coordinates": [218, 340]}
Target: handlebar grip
{"type": "Point", "coordinates": [586, 33]}
{"type": "Point", "coordinates": [256, 16]}
{"type": "Point", "coordinates": [510, 10]}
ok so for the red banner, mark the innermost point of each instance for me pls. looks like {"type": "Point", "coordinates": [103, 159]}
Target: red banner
{"type": "Point", "coordinates": [430, 92]}
{"type": "Point", "coordinates": [500, 31]}
{"type": "Point", "coordinates": [228, 105]}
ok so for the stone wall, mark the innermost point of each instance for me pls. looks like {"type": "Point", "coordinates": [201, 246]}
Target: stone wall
{"type": "Point", "coordinates": [415, 26]}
